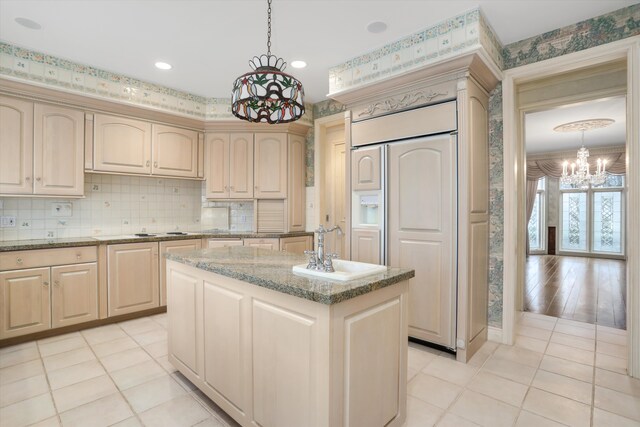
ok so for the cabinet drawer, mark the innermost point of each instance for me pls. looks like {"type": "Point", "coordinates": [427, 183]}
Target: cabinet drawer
{"type": "Point", "coordinates": [47, 257]}
{"type": "Point", "coordinates": [269, 243]}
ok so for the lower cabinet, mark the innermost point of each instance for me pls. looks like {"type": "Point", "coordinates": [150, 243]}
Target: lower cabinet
{"type": "Point", "coordinates": [296, 245]}
{"type": "Point", "coordinates": [221, 243]}
{"type": "Point", "coordinates": [47, 292]}
{"type": "Point", "coordinates": [173, 246]}
{"type": "Point", "coordinates": [74, 296]}
{"type": "Point", "coordinates": [269, 243]}
{"type": "Point", "coordinates": [132, 277]}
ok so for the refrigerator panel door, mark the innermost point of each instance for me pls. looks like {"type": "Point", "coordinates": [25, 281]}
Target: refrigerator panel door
{"type": "Point", "coordinates": [422, 231]}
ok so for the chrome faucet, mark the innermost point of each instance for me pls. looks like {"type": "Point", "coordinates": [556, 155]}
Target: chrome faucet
{"type": "Point", "coordinates": [318, 260]}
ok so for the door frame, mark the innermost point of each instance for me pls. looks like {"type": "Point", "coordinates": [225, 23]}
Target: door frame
{"type": "Point", "coordinates": [319, 128]}
{"type": "Point", "coordinates": [514, 166]}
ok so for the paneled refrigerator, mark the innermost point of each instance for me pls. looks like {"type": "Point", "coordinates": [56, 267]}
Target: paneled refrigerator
{"type": "Point", "coordinates": [404, 197]}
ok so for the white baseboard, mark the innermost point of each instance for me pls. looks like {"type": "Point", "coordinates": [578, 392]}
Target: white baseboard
{"type": "Point", "coordinates": [494, 334]}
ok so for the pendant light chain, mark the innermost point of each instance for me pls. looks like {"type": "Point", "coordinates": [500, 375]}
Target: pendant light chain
{"type": "Point", "coordinates": [269, 28]}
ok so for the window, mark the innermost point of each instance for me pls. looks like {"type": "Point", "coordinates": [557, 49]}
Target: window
{"type": "Point", "coordinates": [536, 222]}
{"type": "Point", "coordinates": [592, 219]}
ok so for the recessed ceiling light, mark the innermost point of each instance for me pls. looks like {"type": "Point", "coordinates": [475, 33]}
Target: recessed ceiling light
{"type": "Point", "coordinates": [163, 65]}
{"type": "Point", "coordinates": [376, 27]}
{"type": "Point", "coordinates": [28, 23]}
{"type": "Point", "coordinates": [298, 64]}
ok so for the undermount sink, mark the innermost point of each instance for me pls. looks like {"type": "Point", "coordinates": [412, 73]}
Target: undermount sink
{"type": "Point", "coordinates": [344, 270]}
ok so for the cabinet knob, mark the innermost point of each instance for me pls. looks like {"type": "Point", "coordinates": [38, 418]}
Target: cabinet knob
{"type": "Point", "coordinates": [231, 187]}
{"type": "Point", "coordinates": [155, 164]}
{"type": "Point", "coordinates": [38, 179]}
{"type": "Point", "coordinates": [27, 178]}
{"type": "Point", "coordinates": [18, 260]}
{"type": "Point", "coordinates": [256, 187]}
{"type": "Point", "coordinates": [148, 163]}
{"type": "Point", "coordinates": [56, 283]}
{"type": "Point", "coordinates": [78, 256]}
{"type": "Point", "coordinates": [45, 283]}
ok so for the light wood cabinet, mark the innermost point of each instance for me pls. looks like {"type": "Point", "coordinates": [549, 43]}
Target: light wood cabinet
{"type": "Point", "coordinates": [263, 357]}
{"type": "Point", "coordinates": [47, 288]}
{"type": "Point", "coordinates": [175, 151]}
{"type": "Point", "coordinates": [270, 166]}
{"type": "Point", "coordinates": [222, 243]}
{"type": "Point", "coordinates": [132, 277]}
{"type": "Point", "coordinates": [58, 155]}
{"type": "Point", "coordinates": [296, 195]}
{"type": "Point", "coordinates": [365, 169]}
{"type": "Point", "coordinates": [41, 149]}
{"type": "Point", "coordinates": [130, 146]}
{"type": "Point", "coordinates": [25, 302]}
{"type": "Point", "coordinates": [229, 165]}
{"type": "Point", "coordinates": [296, 245]}
{"type": "Point", "coordinates": [16, 146]}
{"type": "Point", "coordinates": [267, 243]}
{"type": "Point", "coordinates": [173, 246]}
{"type": "Point", "coordinates": [365, 246]}
{"type": "Point", "coordinates": [121, 145]}
{"type": "Point", "coordinates": [74, 296]}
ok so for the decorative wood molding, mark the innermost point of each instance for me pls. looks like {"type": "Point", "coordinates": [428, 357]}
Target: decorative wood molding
{"type": "Point", "coordinates": [393, 105]}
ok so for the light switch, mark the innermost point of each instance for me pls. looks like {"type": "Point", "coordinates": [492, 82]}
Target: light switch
{"type": "Point", "coordinates": [7, 221]}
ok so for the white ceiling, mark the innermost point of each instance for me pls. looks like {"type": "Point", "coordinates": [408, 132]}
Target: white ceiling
{"type": "Point", "coordinates": [210, 41]}
{"type": "Point", "coordinates": [541, 138]}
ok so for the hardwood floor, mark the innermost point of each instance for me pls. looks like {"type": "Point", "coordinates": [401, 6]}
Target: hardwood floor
{"type": "Point", "coordinates": [591, 290]}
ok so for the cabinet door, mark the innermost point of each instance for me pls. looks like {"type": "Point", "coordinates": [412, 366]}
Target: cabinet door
{"type": "Point", "coordinates": [122, 145]}
{"type": "Point", "coordinates": [422, 234]}
{"type": "Point", "coordinates": [272, 244]}
{"type": "Point", "coordinates": [179, 245]}
{"type": "Point", "coordinates": [222, 243]}
{"type": "Point", "coordinates": [296, 245]}
{"type": "Point", "coordinates": [365, 246]}
{"type": "Point", "coordinates": [16, 146]}
{"type": "Point", "coordinates": [216, 164]}
{"type": "Point", "coordinates": [74, 297]}
{"type": "Point", "coordinates": [58, 151]}
{"type": "Point", "coordinates": [132, 277]}
{"type": "Point", "coordinates": [175, 151]}
{"type": "Point", "coordinates": [296, 195]}
{"type": "Point", "coordinates": [365, 169]}
{"type": "Point", "coordinates": [24, 301]}
{"type": "Point", "coordinates": [241, 166]}
{"type": "Point", "coordinates": [270, 176]}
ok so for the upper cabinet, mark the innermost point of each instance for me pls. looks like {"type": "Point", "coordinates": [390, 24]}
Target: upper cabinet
{"type": "Point", "coordinates": [42, 149]}
{"type": "Point", "coordinates": [270, 171]}
{"type": "Point", "coordinates": [229, 165]}
{"type": "Point", "coordinates": [123, 145]}
{"type": "Point", "coordinates": [297, 190]}
{"type": "Point", "coordinates": [175, 151]}
{"type": "Point", "coordinates": [16, 146]}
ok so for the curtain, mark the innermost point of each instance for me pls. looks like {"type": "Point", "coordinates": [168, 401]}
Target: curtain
{"type": "Point", "coordinates": [532, 190]}
{"type": "Point", "coordinates": [536, 169]}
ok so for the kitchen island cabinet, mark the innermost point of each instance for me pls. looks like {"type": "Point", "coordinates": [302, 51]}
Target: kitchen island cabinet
{"type": "Point", "coordinates": [273, 348]}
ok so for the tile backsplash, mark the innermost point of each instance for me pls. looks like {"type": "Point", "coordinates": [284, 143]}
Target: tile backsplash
{"type": "Point", "coordinates": [115, 205]}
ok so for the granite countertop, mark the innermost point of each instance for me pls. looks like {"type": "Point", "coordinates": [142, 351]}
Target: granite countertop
{"type": "Point", "coordinates": [272, 270]}
{"type": "Point", "coordinates": [21, 245]}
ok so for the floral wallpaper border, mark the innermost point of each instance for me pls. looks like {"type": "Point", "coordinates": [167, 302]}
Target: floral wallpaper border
{"type": "Point", "coordinates": [451, 37]}
{"type": "Point", "coordinates": [36, 67]}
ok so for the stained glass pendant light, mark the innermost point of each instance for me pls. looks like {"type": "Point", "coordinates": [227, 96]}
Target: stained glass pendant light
{"type": "Point", "coordinates": [267, 94]}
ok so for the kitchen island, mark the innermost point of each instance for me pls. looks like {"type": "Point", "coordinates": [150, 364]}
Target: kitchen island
{"type": "Point", "coordinates": [274, 348]}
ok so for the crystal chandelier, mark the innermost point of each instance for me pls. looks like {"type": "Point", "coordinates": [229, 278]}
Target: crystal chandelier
{"type": "Point", "coordinates": [581, 176]}
{"type": "Point", "coordinates": [267, 94]}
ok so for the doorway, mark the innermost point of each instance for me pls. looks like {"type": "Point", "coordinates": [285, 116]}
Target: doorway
{"type": "Point", "coordinates": [575, 264]}
{"type": "Point", "coordinates": [330, 177]}
{"type": "Point", "coordinates": [626, 51]}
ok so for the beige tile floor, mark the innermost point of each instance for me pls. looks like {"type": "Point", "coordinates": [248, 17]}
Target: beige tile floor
{"type": "Point", "coordinates": [559, 372]}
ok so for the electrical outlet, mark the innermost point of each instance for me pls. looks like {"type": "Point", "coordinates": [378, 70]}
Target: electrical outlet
{"type": "Point", "coordinates": [7, 221]}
